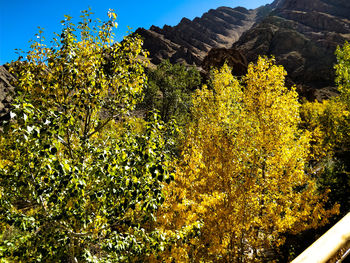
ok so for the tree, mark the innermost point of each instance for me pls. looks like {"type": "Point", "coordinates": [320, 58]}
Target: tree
{"type": "Point", "coordinates": [343, 80]}
{"type": "Point", "coordinates": [329, 123]}
{"type": "Point", "coordinates": [326, 123]}
{"type": "Point", "coordinates": [169, 90]}
{"type": "Point", "coordinates": [240, 182]}
{"type": "Point", "coordinates": [342, 69]}
{"type": "Point", "coordinates": [79, 180]}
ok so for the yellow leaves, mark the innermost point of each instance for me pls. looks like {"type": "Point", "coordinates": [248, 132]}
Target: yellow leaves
{"type": "Point", "coordinates": [70, 204]}
{"type": "Point", "coordinates": [4, 163]}
{"type": "Point", "coordinates": [85, 76]}
{"type": "Point", "coordinates": [242, 161]}
{"type": "Point", "coordinates": [327, 124]}
{"type": "Point", "coordinates": [98, 223]}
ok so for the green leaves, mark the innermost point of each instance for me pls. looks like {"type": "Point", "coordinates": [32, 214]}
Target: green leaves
{"type": "Point", "coordinates": [113, 185]}
{"type": "Point", "coordinates": [169, 90]}
{"type": "Point", "coordinates": [343, 72]}
{"type": "Point", "coordinates": [77, 180]}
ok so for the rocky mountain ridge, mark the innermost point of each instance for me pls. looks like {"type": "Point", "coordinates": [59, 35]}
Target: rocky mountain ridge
{"type": "Point", "coordinates": [190, 41]}
{"type": "Point", "coordinates": [6, 92]}
{"type": "Point", "coordinates": [301, 34]}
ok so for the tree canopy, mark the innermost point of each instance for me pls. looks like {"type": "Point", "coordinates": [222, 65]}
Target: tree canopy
{"type": "Point", "coordinates": [80, 181]}
{"type": "Point", "coordinates": [241, 174]}
{"type": "Point", "coordinates": [170, 90]}
{"type": "Point", "coordinates": [84, 180]}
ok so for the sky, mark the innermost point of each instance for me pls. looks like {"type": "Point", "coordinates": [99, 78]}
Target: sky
{"type": "Point", "coordinates": [20, 19]}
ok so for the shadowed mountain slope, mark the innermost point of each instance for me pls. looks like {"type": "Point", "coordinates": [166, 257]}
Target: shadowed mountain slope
{"type": "Point", "coordinates": [190, 41]}
{"type": "Point", "coordinates": [6, 93]}
{"type": "Point", "coordinates": [301, 34]}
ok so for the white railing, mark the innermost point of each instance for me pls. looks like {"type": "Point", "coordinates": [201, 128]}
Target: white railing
{"type": "Point", "coordinates": [327, 245]}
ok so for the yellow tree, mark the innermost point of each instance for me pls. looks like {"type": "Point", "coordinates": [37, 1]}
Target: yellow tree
{"type": "Point", "coordinates": [329, 121]}
{"type": "Point", "coordinates": [240, 182]}
{"type": "Point", "coordinates": [329, 124]}
{"type": "Point", "coordinates": [342, 69]}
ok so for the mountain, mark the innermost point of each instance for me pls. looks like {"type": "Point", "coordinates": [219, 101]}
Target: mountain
{"type": "Point", "coordinates": [190, 41]}
{"type": "Point", "coordinates": [301, 34]}
{"type": "Point", "coordinates": [6, 92]}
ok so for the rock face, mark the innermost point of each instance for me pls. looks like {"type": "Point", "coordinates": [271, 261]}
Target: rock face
{"type": "Point", "coordinates": [301, 34]}
{"type": "Point", "coordinates": [6, 92]}
{"type": "Point", "coordinates": [234, 58]}
{"type": "Point", "coordinates": [190, 41]}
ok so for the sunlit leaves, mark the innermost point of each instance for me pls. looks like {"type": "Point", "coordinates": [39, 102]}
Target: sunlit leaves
{"type": "Point", "coordinates": [80, 180]}
{"type": "Point", "coordinates": [343, 72]}
{"type": "Point", "coordinates": [241, 174]}
{"type": "Point", "coordinates": [329, 124]}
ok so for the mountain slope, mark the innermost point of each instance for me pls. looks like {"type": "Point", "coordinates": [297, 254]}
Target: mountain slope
{"type": "Point", "coordinates": [6, 92]}
{"type": "Point", "coordinates": [301, 34]}
{"type": "Point", "coordinates": [190, 41]}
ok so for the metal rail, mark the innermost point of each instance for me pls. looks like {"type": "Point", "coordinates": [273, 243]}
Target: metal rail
{"type": "Point", "coordinates": [344, 256]}
{"type": "Point", "coordinates": [327, 245]}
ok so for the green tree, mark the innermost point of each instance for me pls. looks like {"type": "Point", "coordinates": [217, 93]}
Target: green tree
{"type": "Point", "coordinates": [343, 80]}
{"type": "Point", "coordinates": [329, 124]}
{"type": "Point", "coordinates": [241, 173]}
{"type": "Point", "coordinates": [79, 181]}
{"type": "Point", "coordinates": [343, 72]}
{"type": "Point", "coordinates": [170, 90]}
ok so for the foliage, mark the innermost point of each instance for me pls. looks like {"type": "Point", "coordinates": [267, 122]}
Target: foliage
{"type": "Point", "coordinates": [241, 174]}
{"type": "Point", "coordinates": [170, 88]}
{"type": "Point", "coordinates": [342, 69]}
{"type": "Point", "coordinates": [329, 124]}
{"type": "Point", "coordinates": [326, 122]}
{"type": "Point", "coordinates": [343, 80]}
{"type": "Point", "coordinates": [80, 181]}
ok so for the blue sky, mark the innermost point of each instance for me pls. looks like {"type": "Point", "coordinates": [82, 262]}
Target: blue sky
{"type": "Point", "coordinates": [20, 19]}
